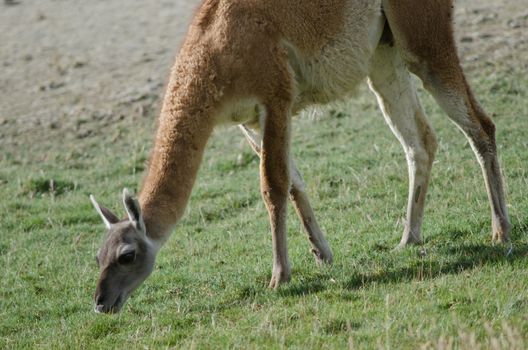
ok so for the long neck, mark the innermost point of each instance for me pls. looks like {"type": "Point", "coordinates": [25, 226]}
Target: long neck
{"type": "Point", "coordinates": [184, 127]}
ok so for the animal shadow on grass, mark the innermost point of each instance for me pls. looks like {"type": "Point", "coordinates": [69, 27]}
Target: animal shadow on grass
{"type": "Point", "coordinates": [313, 284]}
{"type": "Point", "coordinates": [468, 257]}
{"type": "Point", "coordinates": [450, 259]}
{"type": "Point", "coordinates": [457, 257]}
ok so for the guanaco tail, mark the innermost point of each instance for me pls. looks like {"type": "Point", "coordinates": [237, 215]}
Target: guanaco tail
{"type": "Point", "coordinates": [257, 63]}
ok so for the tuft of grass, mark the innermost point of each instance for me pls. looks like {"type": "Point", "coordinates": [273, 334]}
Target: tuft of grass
{"type": "Point", "coordinates": [43, 186]}
{"type": "Point", "coordinates": [103, 327]}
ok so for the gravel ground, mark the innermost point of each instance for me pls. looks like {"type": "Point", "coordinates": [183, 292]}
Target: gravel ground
{"type": "Point", "coordinates": [72, 67]}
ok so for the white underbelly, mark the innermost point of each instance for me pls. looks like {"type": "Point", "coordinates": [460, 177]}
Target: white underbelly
{"type": "Point", "coordinates": [343, 64]}
{"type": "Point", "coordinates": [330, 75]}
{"type": "Point", "coordinates": [247, 110]}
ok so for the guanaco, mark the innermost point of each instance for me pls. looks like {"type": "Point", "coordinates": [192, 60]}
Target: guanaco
{"type": "Point", "coordinates": [257, 63]}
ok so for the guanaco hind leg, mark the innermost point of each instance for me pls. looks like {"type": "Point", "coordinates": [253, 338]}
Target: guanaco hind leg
{"type": "Point", "coordinates": [423, 31]}
{"type": "Point", "coordinates": [299, 198]}
{"type": "Point", "coordinates": [396, 94]}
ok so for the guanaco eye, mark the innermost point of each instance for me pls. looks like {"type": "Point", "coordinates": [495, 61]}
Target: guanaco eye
{"type": "Point", "coordinates": [127, 258]}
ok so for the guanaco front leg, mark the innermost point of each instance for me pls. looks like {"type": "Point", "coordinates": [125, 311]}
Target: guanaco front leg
{"type": "Point", "coordinates": [299, 198]}
{"type": "Point", "coordinates": [275, 185]}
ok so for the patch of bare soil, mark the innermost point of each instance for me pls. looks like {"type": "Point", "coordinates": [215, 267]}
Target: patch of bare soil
{"type": "Point", "coordinates": [492, 33]}
{"type": "Point", "coordinates": [72, 68]}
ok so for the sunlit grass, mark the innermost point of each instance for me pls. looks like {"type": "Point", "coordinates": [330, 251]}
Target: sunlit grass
{"type": "Point", "coordinates": [209, 287]}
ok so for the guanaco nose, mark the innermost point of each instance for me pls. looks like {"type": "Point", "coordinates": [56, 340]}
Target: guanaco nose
{"type": "Point", "coordinates": [99, 305]}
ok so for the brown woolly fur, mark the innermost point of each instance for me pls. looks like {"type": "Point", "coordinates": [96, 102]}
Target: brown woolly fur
{"type": "Point", "coordinates": [259, 62]}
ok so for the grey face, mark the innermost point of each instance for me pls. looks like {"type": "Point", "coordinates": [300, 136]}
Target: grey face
{"type": "Point", "coordinates": [125, 259]}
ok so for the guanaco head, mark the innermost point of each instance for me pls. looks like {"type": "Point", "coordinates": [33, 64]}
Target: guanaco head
{"type": "Point", "coordinates": [126, 257]}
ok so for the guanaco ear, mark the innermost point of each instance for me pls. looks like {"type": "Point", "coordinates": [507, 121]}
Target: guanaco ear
{"type": "Point", "coordinates": [133, 210]}
{"type": "Point", "coordinates": [108, 217]}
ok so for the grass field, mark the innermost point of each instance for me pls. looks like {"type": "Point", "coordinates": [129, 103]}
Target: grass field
{"type": "Point", "coordinates": [209, 288]}
{"type": "Point", "coordinates": [71, 125]}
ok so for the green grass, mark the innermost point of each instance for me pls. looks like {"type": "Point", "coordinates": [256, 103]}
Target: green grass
{"type": "Point", "coordinates": [209, 287]}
